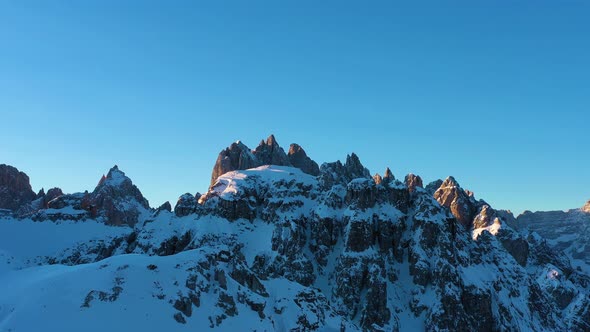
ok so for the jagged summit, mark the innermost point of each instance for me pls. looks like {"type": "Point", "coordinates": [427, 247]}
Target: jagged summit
{"type": "Point", "coordinates": [586, 207]}
{"type": "Point", "coordinates": [388, 174]}
{"type": "Point", "coordinates": [385, 179]}
{"type": "Point", "coordinates": [413, 182]}
{"type": "Point", "coordinates": [239, 157]}
{"type": "Point", "coordinates": [116, 199]}
{"type": "Point", "coordinates": [450, 182]}
{"type": "Point", "coordinates": [451, 195]}
{"type": "Point", "coordinates": [270, 153]}
{"type": "Point", "coordinates": [337, 173]}
{"type": "Point", "coordinates": [114, 177]}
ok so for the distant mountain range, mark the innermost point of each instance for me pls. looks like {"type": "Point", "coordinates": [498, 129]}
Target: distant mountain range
{"type": "Point", "coordinates": [280, 243]}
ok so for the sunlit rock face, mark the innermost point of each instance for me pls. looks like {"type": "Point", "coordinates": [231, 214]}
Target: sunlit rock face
{"type": "Point", "coordinates": [239, 157]}
{"type": "Point", "coordinates": [413, 182]}
{"type": "Point", "coordinates": [586, 207]}
{"type": "Point", "coordinates": [15, 189]}
{"type": "Point", "coordinates": [236, 156]}
{"type": "Point", "coordinates": [458, 201]}
{"type": "Point", "coordinates": [485, 217]}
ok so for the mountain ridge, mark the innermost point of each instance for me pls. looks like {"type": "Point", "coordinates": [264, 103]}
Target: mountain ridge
{"type": "Point", "coordinates": [277, 248]}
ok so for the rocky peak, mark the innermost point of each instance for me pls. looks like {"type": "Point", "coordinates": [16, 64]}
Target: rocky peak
{"type": "Point", "coordinates": [377, 178]}
{"type": "Point", "coordinates": [120, 186]}
{"type": "Point", "coordinates": [54, 193]}
{"type": "Point", "coordinates": [486, 216]}
{"type": "Point", "coordinates": [114, 178]}
{"type": "Point", "coordinates": [338, 173]}
{"type": "Point", "coordinates": [586, 207]}
{"type": "Point", "coordinates": [385, 179]}
{"type": "Point", "coordinates": [355, 168]}
{"type": "Point", "coordinates": [15, 189]}
{"type": "Point", "coordinates": [388, 175]}
{"type": "Point", "coordinates": [462, 206]}
{"type": "Point", "coordinates": [164, 207]}
{"type": "Point", "coordinates": [239, 157]}
{"type": "Point", "coordinates": [117, 199]}
{"type": "Point", "coordinates": [270, 153]}
{"type": "Point", "coordinates": [298, 158]}
{"type": "Point", "coordinates": [413, 181]}
{"type": "Point", "coordinates": [102, 180]}
{"type": "Point", "coordinates": [236, 156]}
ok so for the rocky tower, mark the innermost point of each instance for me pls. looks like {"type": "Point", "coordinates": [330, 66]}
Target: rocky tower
{"type": "Point", "coordinates": [270, 153]}
{"type": "Point", "coordinates": [15, 189]}
{"type": "Point", "coordinates": [586, 207]}
{"type": "Point", "coordinates": [413, 182]}
{"type": "Point", "coordinates": [462, 206]}
{"type": "Point", "coordinates": [116, 199]}
{"type": "Point", "coordinates": [236, 156]}
{"type": "Point", "coordinates": [298, 158]}
{"type": "Point", "coordinates": [239, 157]}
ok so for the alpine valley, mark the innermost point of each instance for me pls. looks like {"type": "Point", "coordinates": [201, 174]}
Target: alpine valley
{"type": "Point", "coordinates": [279, 243]}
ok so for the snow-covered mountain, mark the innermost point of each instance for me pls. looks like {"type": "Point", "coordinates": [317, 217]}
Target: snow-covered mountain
{"type": "Point", "coordinates": [567, 231]}
{"type": "Point", "coordinates": [279, 244]}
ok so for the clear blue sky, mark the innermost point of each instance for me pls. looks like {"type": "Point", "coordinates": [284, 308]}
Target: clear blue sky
{"type": "Point", "coordinates": [495, 93]}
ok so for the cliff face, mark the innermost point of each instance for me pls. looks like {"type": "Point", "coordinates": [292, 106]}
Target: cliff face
{"type": "Point", "coordinates": [15, 189]}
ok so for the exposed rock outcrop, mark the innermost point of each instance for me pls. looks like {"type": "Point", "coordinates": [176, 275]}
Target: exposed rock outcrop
{"type": "Point", "coordinates": [378, 179]}
{"type": "Point", "coordinates": [298, 158]}
{"type": "Point", "coordinates": [239, 157]}
{"type": "Point", "coordinates": [52, 194]}
{"type": "Point", "coordinates": [413, 182]}
{"type": "Point", "coordinates": [433, 186]}
{"type": "Point", "coordinates": [185, 205]}
{"type": "Point", "coordinates": [336, 173]}
{"type": "Point", "coordinates": [461, 204]}
{"type": "Point", "coordinates": [270, 153]}
{"type": "Point", "coordinates": [388, 175]}
{"type": "Point", "coordinates": [15, 189]}
{"type": "Point", "coordinates": [166, 207]}
{"type": "Point", "coordinates": [236, 156]}
{"type": "Point", "coordinates": [485, 217]}
{"type": "Point", "coordinates": [116, 199]}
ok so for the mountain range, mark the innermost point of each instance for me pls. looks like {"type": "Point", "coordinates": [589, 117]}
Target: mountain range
{"type": "Point", "coordinates": [280, 243]}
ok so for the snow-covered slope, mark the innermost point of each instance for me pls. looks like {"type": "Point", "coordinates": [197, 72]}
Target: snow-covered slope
{"type": "Point", "coordinates": [274, 248]}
